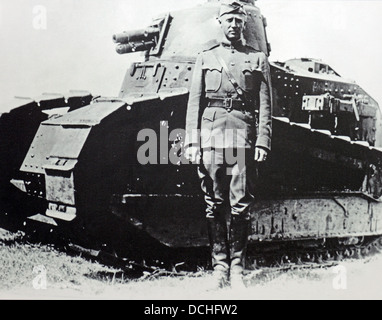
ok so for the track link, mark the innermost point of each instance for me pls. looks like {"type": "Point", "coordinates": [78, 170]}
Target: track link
{"type": "Point", "coordinates": [264, 261]}
{"type": "Point", "coordinates": [260, 259]}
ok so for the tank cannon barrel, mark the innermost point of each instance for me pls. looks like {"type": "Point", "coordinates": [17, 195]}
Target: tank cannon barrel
{"type": "Point", "coordinates": [135, 47]}
{"type": "Point", "coordinates": [136, 40]}
{"type": "Point", "coordinates": [136, 35]}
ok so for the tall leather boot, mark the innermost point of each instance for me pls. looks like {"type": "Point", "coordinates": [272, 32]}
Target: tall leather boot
{"type": "Point", "coordinates": [238, 240]}
{"type": "Point", "coordinates": [217, 230]}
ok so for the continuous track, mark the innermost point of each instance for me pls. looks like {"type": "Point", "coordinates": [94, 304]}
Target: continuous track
{"type": "Point", "coordinates": [267, 258]}
{"type": "Point", "coordinates": [288, 257]}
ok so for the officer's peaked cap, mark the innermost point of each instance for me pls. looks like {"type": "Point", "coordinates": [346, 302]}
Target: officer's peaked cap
{"type": "Point", "coordinates": [232, 7]}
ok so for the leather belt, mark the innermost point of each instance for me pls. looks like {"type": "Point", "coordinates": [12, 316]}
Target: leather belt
{"type": "Point", "coordinates": [227, 103]}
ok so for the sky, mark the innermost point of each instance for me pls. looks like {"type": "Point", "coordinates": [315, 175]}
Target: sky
{"type": "Point", "coordinates": [54, 46]}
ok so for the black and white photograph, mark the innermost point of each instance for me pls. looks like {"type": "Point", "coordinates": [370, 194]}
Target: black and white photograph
{"type": "Point", "coordinates": [197, 153]}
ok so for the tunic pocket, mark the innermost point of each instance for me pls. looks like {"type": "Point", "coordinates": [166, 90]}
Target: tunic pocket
{"type": "Point", "coordinates": [252, 79]}
{"type": "Point", "coordinates": [207, 125]}
{"type": "Point", "coordinates": [213, 79]}
{"type": "Point", "coordinates": [249, 80]}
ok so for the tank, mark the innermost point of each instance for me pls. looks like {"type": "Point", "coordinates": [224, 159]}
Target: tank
{"type": "Point", "coordinates": [111, 168]}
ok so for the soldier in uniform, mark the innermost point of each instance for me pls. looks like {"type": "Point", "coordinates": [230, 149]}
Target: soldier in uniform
{"type": "Point", "coordinates": [229, 113]}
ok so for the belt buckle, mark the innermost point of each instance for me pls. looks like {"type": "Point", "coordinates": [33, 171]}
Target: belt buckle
{"type": "Point", "coordinates": [228, 104]}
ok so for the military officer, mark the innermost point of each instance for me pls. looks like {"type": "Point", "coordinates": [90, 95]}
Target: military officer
{"type": "Point", "coordinates": [229, 113]}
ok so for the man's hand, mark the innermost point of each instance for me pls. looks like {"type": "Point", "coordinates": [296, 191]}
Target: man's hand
{"type": "Point", "coordinates": [260, 154]}
{"type": "Point", "coordinates": [192, 154]}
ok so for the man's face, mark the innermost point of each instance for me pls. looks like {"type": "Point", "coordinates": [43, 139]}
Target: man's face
{"type": "Point", "coordinates": [233, 25]}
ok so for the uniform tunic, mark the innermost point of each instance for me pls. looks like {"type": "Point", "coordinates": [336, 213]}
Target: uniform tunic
{"type": "Point", "coordinates": [217, 130]}
{"type": "Point", "coordinates": [251, 70]}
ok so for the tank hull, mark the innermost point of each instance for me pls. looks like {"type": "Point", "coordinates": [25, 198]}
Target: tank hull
{"type": "Point", "coordinates": [162, 198]}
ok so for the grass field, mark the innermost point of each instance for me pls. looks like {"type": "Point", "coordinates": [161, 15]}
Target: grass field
{"type": "Point", "coordinates": [23, 266]}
